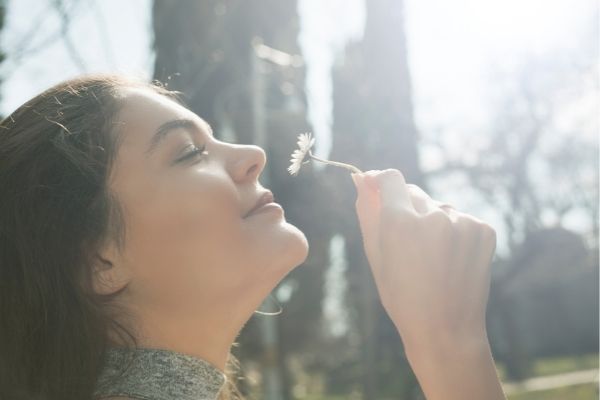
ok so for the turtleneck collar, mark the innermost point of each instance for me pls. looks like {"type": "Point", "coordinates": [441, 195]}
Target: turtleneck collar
{"type": "Point", "coordinates": [157, 374]}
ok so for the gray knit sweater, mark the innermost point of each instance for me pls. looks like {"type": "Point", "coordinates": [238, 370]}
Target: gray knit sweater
{"type": "Point", "coordinates": [157, 374]}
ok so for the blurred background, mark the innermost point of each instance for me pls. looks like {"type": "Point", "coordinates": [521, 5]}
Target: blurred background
{"type": "Point", "coordinates": [490, 105]}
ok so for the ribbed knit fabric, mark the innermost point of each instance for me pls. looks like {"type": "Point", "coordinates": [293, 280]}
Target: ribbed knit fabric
{"type": "Point", "coordinates": [157, 374]}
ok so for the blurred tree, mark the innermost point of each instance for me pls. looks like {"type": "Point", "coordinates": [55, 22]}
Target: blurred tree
{"type": "Point", "coordinates": [554, 288]}
{"type": "Point", "coordinates": [537, 165]}
{"type": "Point", "coordinates": [373, 129]}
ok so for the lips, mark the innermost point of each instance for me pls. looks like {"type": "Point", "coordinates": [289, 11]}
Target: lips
{"type": "Point", "coordinates": [266, 197]}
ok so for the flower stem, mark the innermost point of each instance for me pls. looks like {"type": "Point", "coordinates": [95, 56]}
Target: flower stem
{"type": "Point", "coordinates": [339, 164]}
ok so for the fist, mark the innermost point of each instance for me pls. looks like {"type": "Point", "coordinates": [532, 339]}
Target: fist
{"type": "Point", "coordinates": [431, 263]}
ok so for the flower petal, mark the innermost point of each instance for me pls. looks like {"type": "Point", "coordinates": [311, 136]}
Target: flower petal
{"type": "Point", "coordinates": [305, 142]}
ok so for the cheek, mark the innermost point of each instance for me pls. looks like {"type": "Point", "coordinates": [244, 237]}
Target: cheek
{"type": "Point", "coordinates": [184, 231]}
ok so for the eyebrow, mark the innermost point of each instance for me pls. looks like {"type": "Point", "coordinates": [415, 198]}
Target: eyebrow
{"type": "Point", "coordinates": [169, 126]}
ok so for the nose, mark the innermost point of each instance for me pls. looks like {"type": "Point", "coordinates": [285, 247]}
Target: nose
{"type": "Point", "coordinates": [248, 162]}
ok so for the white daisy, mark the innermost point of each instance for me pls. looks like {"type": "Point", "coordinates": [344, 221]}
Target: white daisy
{"type": "Point", "coordinates": [305, 142]}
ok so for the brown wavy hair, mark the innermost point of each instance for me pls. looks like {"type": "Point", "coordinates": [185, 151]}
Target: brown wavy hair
{"type": "Point", "coordinates": [56, 153]}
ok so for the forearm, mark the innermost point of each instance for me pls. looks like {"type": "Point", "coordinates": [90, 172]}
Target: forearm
{"type": "Point", "coordinates": [460, 370]}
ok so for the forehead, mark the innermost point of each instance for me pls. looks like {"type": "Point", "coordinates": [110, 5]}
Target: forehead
{"type": "Point", "coordinates": [142, 111]}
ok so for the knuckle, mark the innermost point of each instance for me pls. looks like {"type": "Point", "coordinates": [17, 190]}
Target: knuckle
{"type": "Point", "coordinates": [469, 223]}
{"type": "Point", "coordinates": [440, 219]}
{"type": "Point", "coordinates": [489, 232]}
{"type": "Point", "coordinates": [465, 222]}
{"type": "Point", "coordinates": [416, 189]}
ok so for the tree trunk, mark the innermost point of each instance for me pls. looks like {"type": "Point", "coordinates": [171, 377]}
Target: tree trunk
{"type": "Point", "coordinates": [374, 128]}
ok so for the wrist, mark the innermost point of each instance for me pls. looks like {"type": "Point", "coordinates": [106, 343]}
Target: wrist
{"type": "Point", "coordinates": [445, 341]}
{"type": "Point", "coordinates": [462, 368]}
{"type": "Point", "coordinates": [448, 348]}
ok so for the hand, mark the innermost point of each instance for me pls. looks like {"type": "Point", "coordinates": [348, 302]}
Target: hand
{"type": "Point", "coordinates": [431, 264]}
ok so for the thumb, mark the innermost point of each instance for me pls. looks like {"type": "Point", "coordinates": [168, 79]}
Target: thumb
{"type": "Point", "coordinates": [367, 210]}
{"type": "Point", "coordinates": [367, 200]}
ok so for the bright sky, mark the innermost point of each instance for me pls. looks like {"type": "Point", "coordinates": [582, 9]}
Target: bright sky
{"type": "Point", "coordinates": [109, 35]}
{"type": "Point", "coordinates": [321, 42]}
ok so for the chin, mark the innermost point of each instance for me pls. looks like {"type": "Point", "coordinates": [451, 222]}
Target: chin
{"type": "Point", "coordinates": [282, 256]}
{"type": "Point", "coordinates": [299, 246]}
{"type": "Point", "coordinates": [290, 249]}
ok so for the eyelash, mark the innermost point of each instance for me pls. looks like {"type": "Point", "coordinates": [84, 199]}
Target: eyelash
{"type": "Point", "coordinates": [193, 153]}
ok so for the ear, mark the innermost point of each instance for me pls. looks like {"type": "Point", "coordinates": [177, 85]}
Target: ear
{"type": "Point", "coordinates": [109, 273]}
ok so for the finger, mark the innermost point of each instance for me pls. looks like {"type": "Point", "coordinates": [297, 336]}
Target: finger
{"type": "Point", "coordinates": [394, 193]}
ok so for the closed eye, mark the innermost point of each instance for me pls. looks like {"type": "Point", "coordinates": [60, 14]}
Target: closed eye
{"type": "Point", "coordinates": [191, 154]}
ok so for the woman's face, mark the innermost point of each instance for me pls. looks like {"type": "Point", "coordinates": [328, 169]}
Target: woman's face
{"type": "Point", "coordinates": [187, 241]}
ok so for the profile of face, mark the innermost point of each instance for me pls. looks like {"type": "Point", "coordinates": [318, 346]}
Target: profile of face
{"type": "Point", "coordinates": [189, 248]}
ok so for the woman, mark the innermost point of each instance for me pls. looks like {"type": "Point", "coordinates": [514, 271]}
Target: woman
{"type": "Point", "coordinates": [130, 257]}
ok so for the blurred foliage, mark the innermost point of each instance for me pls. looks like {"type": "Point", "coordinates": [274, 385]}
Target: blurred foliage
{"type": "Point", "coordinates": [586, 391]}
{"type": "Point", "coordinates": [556, 365]}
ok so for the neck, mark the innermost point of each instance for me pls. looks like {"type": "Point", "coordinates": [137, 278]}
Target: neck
{"type": "Point", "coordinates": [206, 333]}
